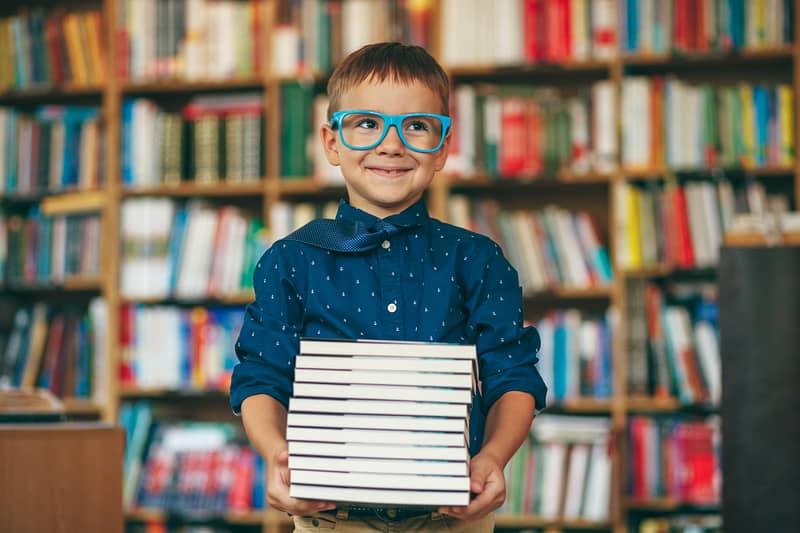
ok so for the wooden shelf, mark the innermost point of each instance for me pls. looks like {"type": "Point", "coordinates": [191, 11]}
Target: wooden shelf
{"type": "Point", "coordinates": [648, 404]}
{"type": "Point", "coordinates": [535, 521]}
{"type": "Point", "coordinates": [81, 407]}
{"type": "Point", "coordinates": [663, 271]}
{"type": "Point", "coordinates": [561, 179]}
{"type": "Point", "coordinates": [473, 71]}
{"type": "Point", "coordinates": [142, 514]}
{"type": "Point", "coordinates": [69, 284]}
{"type": "Point", "coordinates": [658, 173]}
{"type": "Point", "coordinates": [74, 202]}
{"type": "Point", "coordinates": [171, 394]}
{"type": "Point", "coordinates": [581, 406]}
{"type": "Point", "coordinates": [241, 298]}
{"type": "Point", "coordinates": [46, 93]}
{"type": "Point", "coordinates": [781, 53]}
{"type": "Point", "coordinates": [667, 505]}
{"type": "Point", "coordinates": [759, 239]}
{"type": "Point", "coordinates": [566, 293]}
{"type": "Point", "coordinates": [305, 186]}
{"type": "Point", "coordinates": [191, 189]}
{"type": "Point", "coordinates": [185, 86]}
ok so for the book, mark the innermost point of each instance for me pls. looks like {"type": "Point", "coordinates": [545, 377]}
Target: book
{"type": "Point", "coordinates": [378, 407]}
{"type": "Point", "coordinates": [387, 348]}
{"type": "Point", "coordinates": [384, 466]}
{"type": "Point", "coordinates": [417, 423]}
{"type": "Point", "coordinates": [380, 481]}
{"type": "Point", "coordinates": [399, 378]}
{"type": "Point", "coordinates": [380, 392]}
{"type": "Point", "coordinates": [454, 366]}
{"type": "Point", "coordinates": [428, 498]}
{"type": "Point", "coordinates": [426, 438]}
{"type": "Point", "coordinates": [325, 450]}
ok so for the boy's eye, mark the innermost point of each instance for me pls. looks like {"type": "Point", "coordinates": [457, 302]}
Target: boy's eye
{"type": "Point", "coordinates": [367, 123]}
{"type": "Point", "coordinates": [417, 125]}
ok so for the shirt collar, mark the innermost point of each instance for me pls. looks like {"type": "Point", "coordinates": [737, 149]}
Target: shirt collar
{"type": "Point", "coordinates": [414, 215]}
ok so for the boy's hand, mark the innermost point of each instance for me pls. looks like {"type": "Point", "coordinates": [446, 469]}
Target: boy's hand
{"type": "Point", "coordinates": [489, 485]}
{"type": "Point", "coordinates": [278, 489]}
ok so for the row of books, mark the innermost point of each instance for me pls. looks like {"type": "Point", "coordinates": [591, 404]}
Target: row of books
{"type": "Point", "coordinates": [684, 26]}
{"type": "Point", "coordinates": [669, 122]}
{"type": "Point", "coordinates": [673, 342]}
{"type": "Point", "coordinates": [311, 36]}
{"type": "Point", "coordinates": [59, 349]}
{"type": "Point", "coordinates": [381, 423]}
{"type": "Point", "coordinates": [675, 458]}
{"type": "Point", "coordinates": [562, 471]}
{"type": "Point", "coordinates": [199, 467]}
{"type": "Point", "coordinates": [175, 348]}
{"type": "Point", "coordinates": [700, 523]}
{"type": "Point", "coordinates": [192, 250]}
{"type": "Point", "coordinates": [550, 247]}
{"type": "Point", "coordinates": [52, 47]}
{"type": "Point", "coordinates": [682, 224]}
{"type": "Point", "coordinates": [189, 39]}
{"type": "Point", "coordinates": [187, 467]}
{"type": "Point", "coordinates": [52, 149]}
{"type": "Point", "coordinates": [211, 139]}
{"type": "Point", "coordinates": [38, 249]}
{"type": "Point", "coordinates": [528, 131]}
{"type": "Point", "coordinates": [516, 32]}
{"type": "Point", "coordinates": [575, 354]}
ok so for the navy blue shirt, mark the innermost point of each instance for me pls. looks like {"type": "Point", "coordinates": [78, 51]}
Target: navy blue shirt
{"type": "Point", "coordinates": [430, 282]}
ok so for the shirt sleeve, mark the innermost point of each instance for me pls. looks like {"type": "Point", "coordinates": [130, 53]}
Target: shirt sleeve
{"type": "Point", "coordinates": [507, 350]}
{"type": "Point", "coordinates": [269, 338]}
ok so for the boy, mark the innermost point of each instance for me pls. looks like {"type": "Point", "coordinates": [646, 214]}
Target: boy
{"type": "Point", "coordinates": [386, 270]}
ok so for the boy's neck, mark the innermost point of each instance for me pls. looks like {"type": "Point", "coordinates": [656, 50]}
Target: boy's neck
{"type": "Point", "coordinates": [379, 211]}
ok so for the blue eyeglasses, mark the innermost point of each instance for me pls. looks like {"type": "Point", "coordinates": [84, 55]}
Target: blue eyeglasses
{"type": "Point", "coordinates": [363, 130]}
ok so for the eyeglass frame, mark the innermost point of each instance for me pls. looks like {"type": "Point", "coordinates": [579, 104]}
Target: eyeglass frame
{"type": "Point", "coordinates": [389, 121]}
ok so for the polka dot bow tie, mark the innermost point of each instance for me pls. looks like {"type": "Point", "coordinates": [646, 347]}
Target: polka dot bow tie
{"type": "Point", "coordinates": [344, 236]}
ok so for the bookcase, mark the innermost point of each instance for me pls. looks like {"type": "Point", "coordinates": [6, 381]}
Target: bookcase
{"type": "Point", "coordinates": [145, 59]}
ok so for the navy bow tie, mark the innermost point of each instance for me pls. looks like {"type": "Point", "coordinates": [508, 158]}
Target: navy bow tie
{"type": "Point", "coordinates": [344, 236]}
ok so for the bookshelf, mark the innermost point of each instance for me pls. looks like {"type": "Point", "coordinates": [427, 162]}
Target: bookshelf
{"type": "Point", "coordinates": [592, 191]}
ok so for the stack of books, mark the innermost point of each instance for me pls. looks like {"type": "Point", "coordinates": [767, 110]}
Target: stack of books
{"type": "Point", "coordinates": [381, 423]}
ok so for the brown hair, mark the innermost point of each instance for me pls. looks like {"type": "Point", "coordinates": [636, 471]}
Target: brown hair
{"type": "Point", "coordinates": [394, 61]}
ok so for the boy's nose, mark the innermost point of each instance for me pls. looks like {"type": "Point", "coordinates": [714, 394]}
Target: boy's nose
{"type": "Point", "coordinates": [391, 143]}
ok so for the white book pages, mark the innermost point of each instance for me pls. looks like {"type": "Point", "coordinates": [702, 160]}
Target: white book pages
{"type": "Point", "coordinates": [417, 423]}
{"type": "Point", "coordinates": [380, 465]}
{"type": "Point", "coordinates": [380, 481]}
{"type": "Point", "coordinates": [429, 498]}
{"type": "Point", "coordinates": [381, 392]}
{"type": "Point", "coordinates": [378, 407]}
{"type": "Point", "coordinates": [378, 377]}
{"type": "Point", "coordinates": [326, 450]}
{"type": "Point", "coordinates": [367, 436]}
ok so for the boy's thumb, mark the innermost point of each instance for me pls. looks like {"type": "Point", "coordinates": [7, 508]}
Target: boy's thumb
{"type": "Point", "coordinates": [476, 486]}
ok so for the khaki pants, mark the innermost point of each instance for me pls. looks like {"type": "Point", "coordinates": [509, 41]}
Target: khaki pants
{"type": "Point", "coordinates": [433, 522]}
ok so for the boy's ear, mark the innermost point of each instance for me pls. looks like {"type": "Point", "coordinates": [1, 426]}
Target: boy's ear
{"type": "Point", "coordinates": [441, 155]}
{"type": "Point", "coordinates": [328, 137]}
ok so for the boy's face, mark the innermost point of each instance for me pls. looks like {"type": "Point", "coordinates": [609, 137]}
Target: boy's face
{"type": "Point", "coordinates": [388, 178]}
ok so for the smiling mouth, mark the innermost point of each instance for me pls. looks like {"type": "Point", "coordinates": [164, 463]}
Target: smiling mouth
{"type": "Point", "coordinates": [388, 172]}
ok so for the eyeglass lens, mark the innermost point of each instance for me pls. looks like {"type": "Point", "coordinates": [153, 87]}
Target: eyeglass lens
{"type": "Point", "coordinates": [361, 130]}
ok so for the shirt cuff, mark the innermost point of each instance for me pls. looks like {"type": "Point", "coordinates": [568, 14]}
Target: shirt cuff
{"type": "Point", "coordinates": [519, 380]}
{"type": "Point", "coordinates": [251, 378]}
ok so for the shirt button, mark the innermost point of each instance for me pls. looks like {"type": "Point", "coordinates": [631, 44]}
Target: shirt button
{"type": "Point", "coordinates": [385, 245]}
{"type": "Point", "coordinates": [391, 308]}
